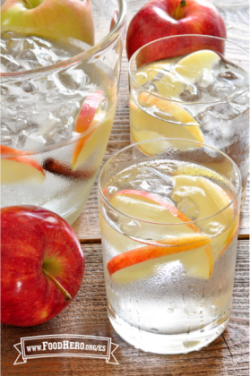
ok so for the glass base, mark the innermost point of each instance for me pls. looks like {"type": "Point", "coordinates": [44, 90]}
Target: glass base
{"type": "Point", "coordinates": [167, 344]}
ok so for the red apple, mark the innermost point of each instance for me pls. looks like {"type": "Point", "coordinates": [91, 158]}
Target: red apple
{"type": "Point", "coordinates": [164, 18]}
{"type": "Point", "coordinates": [42, 265]}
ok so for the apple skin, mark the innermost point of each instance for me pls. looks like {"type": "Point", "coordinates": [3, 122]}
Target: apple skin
{"type": "Point", "coordinates": [157, 19]}
{"type": "Point", "coordinates": [84, 122]}
{"type": "Point", "coordinates": [35, 239]}
{"type": "Point", "coordinates": [57, 19]}
{"type": "Point", "coordinates": [150, 252]}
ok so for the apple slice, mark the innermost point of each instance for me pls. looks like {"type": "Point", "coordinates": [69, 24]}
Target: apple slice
{"type": "Point", "coordinates": [86, 124]}
{"type": "Point", "coordinates": [20, 169]}
{"type": "Point", "coordinates": [210, 199]}
{"type": "Point", "coordinates": [169, 83]}
{"type": "Point", "coordinates": [230, 234]}
{"type": "Point", "coordinates": [174, 121]}
{"type": "Point", "coordinates": [143, 261]}
{"type": "Point", "coordinates": [193, 66]}
{"type": "Point", "coordinates": [151, 207]}
{"type": "Point", "coordinates": [11, 152]}
{"type": "Point", "coordinates": [142, 254]}
{"type": "Point", "coordinates": [188, 70]}
{"type": "Point", "coordinates": [198, 263]}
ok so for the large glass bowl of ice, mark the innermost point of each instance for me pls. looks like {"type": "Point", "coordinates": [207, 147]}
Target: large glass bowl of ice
{"type": "Point", "coordinates": [59, 96]}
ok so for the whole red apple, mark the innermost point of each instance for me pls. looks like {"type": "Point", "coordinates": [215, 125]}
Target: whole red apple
{"type": "Point", "coordinates": [42, 265]}
{"type": "Point", "coordinates": [163, 18]}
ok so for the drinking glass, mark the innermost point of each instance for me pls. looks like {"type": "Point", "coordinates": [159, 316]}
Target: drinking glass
{"type": "Point", "coordinates": [58, 105]}
{"type": "Point", "coordinates": [194, 87]}
{"type": "Point", "coordinates": [169, 223]}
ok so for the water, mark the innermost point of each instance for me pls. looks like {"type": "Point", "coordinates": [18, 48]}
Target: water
{"type": "Point", "coordinates": [167, 304]}
{"type": "Point", "coordinates": [39, 114]}
{"type": "Point", "coordinates": [42, 110]}
{"type": "Point", "coordinates": [210, 104]}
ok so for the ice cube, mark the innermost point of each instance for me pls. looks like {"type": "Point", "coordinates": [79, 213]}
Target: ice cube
{"type": "Point", "coordinates": [153, 180]}
{"type": "Point", "coordinates": [189, 208]}
{"type": "Point", "coordinates": [73, 78]}
{"type": "Point", "coordinates": [223, 90]}
{"type": "Point", "coordinates": [4, 90]}
{"type": "Point", "coordinates": [9, 64]}
{"type": "Point", "coordinates": [6, 140]}
{"type": "Point", "coordinates": [4, 130]}
{"type": "Point", "coordinates": [207, 78]}
{"type": "Point", "coordinates": [189, 96]}
{"type": "Point", "coordinates": [224, 111]}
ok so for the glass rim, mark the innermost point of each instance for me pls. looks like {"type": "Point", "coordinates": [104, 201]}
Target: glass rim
{"type": "Point", "coordinates": [236, 195]}
{"type": "Point", "coordinates": [133, 57]}
{"type": "Point", "coordinates": [102, 45]}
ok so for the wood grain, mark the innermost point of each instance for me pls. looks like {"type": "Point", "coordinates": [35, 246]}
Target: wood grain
{"type": "Point", "coordinates": [228, 355]}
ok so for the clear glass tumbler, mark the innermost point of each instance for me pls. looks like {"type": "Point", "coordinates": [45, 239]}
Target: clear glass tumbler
{"type": "Point", "coordinates": [169, 223]}
{"type": "Point", "coordinates": [58, 104]}
{"type": "Point", "coordinates": [194, 87]}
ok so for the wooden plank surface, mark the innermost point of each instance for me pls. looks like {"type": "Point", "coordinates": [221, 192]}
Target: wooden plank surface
{"type": "Point", "coordinates": [228, 355]}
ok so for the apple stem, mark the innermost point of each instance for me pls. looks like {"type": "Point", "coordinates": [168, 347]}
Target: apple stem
{"type": "Point", "coordinates": [28, 3]}
{"type": "Point", "coordinates": [182, 4]}
{"type": "Point", "coordinates": [58, 285]}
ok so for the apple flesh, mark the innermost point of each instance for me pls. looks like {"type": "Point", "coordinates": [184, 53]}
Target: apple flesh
{"type": "Point", "coordinates": [17, 168]}
{"type": "Point", "coordinates": [142, 254]}
{"type": "Point", "coordinates": [42, 265]}
{"type": "Point", "coordinates": [164, 18]}
{"type": "Point", "coordinates": [85, 123]}
{"type": "Point", "coordinates": [57, 19]}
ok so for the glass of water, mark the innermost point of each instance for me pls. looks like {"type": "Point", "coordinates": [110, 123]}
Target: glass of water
{"type": "Point", "coordinates": [169, 223]}
{"type": "Point", "coordinates": [194, 87]}
{"type": "Point", "coordinates": [58, 104]}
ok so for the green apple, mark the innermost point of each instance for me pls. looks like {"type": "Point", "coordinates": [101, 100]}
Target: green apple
{"type": "Point", "coordinates": [57, 19]}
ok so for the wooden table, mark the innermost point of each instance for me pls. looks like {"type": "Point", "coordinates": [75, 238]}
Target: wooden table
{"type": "Point", "coordinates": [226, 356]}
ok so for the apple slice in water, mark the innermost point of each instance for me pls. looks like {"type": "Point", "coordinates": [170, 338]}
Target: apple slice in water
{"type": "Point", "coordinates": [149, 206]}
{"type": "Point", "coordinates": [142, 261]}
{"type": "Point", "coordinates": [86, 122]}
{"type": "Point", "coordinates": [191, 69]}
{"type": "Point", "coordinates": [19, 169]}
{"type": "Point", "coordinates": [197, 65]}
{"type": "Point", "coordinates": [188, 70]}
{"type": "Point", "coordinates": [143, 254]}
{"type": "Point", "coordinates": [144, 125]}
{"type": "Point", "coordinates": [210, 199]}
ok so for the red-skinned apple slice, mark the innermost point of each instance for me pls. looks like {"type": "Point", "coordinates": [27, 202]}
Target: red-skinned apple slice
{"type": "Point", "coordinates": [19, 169]}
{"type": "Point", "coordinates": [143, 261]}
{"type": "Point", "coordinates": [156, 199]}
{"type": "Point", "coordinates": [11, 152]}
{"type": "Point", "coordinates": [85, 122]}
{"type": "Point", "coordinates": [150, 252]}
